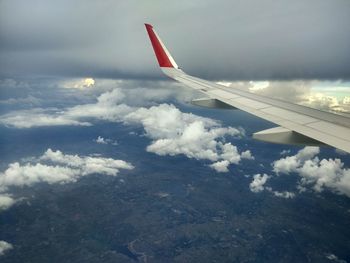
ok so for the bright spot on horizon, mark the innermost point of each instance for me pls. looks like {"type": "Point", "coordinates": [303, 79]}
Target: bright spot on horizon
{"type": "Point", "coordinates": [89, 82]}
{"type": "Point", "coordinates": [259, 85]}
{"type": "Point", "coordinates": [79, 83]}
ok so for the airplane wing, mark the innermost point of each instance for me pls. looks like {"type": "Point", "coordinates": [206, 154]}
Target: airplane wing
{"type": "Point", "coordinates": [296, 124]}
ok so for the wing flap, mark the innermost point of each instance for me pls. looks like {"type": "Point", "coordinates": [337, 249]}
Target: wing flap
{"type": "Point", "coordinates": [284, 136]}
{"type": "Point", "coordinates": [331, 129]}
{"type": "Point", "coordinates": [289, 115]}
{"type": "Point", "coordinates": [252, 103]}
{"type": "Point", "coordinates": [222, 94]}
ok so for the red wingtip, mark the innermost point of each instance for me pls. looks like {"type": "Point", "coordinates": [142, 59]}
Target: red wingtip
{"type": "Point", "coordinates": [161, 55]}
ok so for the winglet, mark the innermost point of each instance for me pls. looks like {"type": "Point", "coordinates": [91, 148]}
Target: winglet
{"type": "Point", "coordinates": [164, 58]}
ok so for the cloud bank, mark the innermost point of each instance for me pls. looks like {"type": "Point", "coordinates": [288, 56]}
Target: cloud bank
{"type": "Point", "coordinates": [322, 95]}
{"type": "Point", "coordinates": [172, 132]}
{"type": "Point", "coordinates": [55, 167]}
{"type": "Point", "coordinates": [314, 173]}
{"type": "Point", "coordinates": [319, 174]}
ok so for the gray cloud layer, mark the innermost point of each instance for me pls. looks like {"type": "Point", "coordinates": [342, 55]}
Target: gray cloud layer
{"type": "Point", "coordinates": [213, 39]}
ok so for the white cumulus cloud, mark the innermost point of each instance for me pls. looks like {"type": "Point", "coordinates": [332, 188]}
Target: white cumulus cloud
{"type": "Point", "coordinates": [6, 201]}
{"type": "Point", "coordinates": [334, 258]}
{"type": "Point", "coordinates": [107, 107]}
{"type": "Point", "coordinates": [221, 166]}
{"type": "Point", "coordinates": [282, 194]}
{"type": "Point", "coordinates": [38, 117]}
{"type": "Point", "coordinates": [4, 246]}
{"type": "Point", "coordinates": [87, 164]}
{"type": "Point", "coordinates": [258, 185]}
{"type": "Point", "coordinates": [55, 167]}
{"type": "Point", "coordinates": [259, 180]}
{"type": "Point", "coordinates": [102, 140]}
{"type": "Point", "coordinates": [172, 132]}
{"type": "Point", "coordinates": [291, 163]}
{"type": "Point", "coordinates": [319, 174]}
{"type": "Point", "coordinates": [247, 155]}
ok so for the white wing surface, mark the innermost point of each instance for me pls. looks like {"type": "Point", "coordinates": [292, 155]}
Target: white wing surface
{"type": "Point", "coordinates": [296, 124]}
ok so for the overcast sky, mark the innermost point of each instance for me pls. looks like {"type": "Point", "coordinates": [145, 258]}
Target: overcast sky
{"type": "Point", "coordinates": [251, 39]}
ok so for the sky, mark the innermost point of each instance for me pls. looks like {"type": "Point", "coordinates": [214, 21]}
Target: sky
{"type": "Point", "coordinates": [301, 45]}
{"type": "Point", "coordinates": [232, 40]}
{"type": "Point", "coordinates": [82, 63]}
